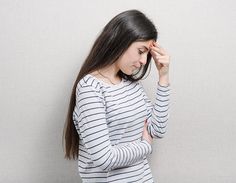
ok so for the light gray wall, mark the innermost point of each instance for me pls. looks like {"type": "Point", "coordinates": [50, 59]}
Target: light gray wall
{"type": "Point", "coordinates": [42, 46]}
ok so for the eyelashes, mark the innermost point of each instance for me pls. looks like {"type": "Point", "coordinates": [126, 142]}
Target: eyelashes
{"type": "Point", "coordinates": [140, 52]}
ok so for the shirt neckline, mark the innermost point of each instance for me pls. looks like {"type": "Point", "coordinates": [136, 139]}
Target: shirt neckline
{"type": "Point", "coordinates": [107, 84]}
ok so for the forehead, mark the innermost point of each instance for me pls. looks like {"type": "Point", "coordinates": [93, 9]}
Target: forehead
{"type": "Point", "coordinates": [143, 43]}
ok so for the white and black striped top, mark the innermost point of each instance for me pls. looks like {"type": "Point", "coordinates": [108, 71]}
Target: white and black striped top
{"type": "Point", "coordinates": [110, 120]}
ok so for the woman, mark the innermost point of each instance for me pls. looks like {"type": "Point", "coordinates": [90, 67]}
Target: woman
{"type": "Point", "coordinates": [111, 121]}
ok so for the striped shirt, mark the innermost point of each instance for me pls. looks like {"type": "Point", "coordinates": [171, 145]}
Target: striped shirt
{"type": "Point", "coordinates": [109, 120]}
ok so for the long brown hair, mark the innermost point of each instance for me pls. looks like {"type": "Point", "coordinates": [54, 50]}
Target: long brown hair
{"type": "Point", "coordinates": [124, 29]}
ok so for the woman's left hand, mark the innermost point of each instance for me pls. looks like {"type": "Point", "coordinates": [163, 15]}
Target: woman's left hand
{"type": "Point", "coordinates": [161, 58]}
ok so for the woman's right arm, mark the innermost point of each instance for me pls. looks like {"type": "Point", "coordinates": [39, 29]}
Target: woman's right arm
{"type": "Point", "coordinates": [90, 121]}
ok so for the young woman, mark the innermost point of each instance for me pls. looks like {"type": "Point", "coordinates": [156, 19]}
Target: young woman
{"type": "Point", "coordinates": [111, 122]}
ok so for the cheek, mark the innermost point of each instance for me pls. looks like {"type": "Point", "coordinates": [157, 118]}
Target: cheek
{"type": "Point", "coordinates": [126, 67]}
{"type": "Point", "coordinates": [129, 59]}
{"type": "Point", "coordinates": [135, 56]}
{"type": "Point", "coordinates": [132, 55]}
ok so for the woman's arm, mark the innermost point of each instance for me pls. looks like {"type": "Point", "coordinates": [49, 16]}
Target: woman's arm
{"type": "Point", "coordinates": [90, 121]}
{"type": "Point", "coordinates": [158, 113]}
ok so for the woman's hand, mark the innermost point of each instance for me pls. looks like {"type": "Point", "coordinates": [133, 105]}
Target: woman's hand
{"type": "Point", "coordinates": [162, 61]}
{"type": "Point", "coordinates": [146, 135]}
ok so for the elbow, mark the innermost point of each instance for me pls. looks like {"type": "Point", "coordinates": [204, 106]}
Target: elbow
{"type": "Point", "coordinates": [102, 166]}
{"type": "Point", "coordinates": [104, 162]}
{"type": "Point", "coordinates": [159, 135]}
{"type": "Point", "coordinates": [158, 130]}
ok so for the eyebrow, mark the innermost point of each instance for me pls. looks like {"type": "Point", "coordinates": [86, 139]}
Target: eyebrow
{"type": "Point", "coordinates": [145, 47]}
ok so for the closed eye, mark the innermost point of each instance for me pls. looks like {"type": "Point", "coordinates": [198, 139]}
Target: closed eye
{"type": "Point", "coordinates": [140, 52]}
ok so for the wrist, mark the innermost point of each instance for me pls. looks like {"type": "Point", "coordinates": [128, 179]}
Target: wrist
{"type": "Point", "coordinates": [164, 80]}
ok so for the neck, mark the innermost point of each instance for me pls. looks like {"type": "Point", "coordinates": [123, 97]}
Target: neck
{"type": "Point", "coordinates": [111, 71]}
{"type": "Point", "coordinates": [110, 74]}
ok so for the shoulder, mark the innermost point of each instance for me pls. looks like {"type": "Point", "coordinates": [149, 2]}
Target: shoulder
{"type": "Point", "coordinates": [88, 83]}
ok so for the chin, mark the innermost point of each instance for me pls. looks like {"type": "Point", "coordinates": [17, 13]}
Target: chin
{"type": "Point", "coordinates": [128, 72]}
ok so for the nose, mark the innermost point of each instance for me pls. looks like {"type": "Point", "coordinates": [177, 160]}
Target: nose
{"type": "Point", "coordinates": [143, 59]}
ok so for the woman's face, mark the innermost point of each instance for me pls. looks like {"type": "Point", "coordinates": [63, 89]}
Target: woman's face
{"type": "Point", "coordinates": [134, 57]}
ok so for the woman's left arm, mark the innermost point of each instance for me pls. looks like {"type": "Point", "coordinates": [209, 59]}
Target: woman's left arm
{"type": "Point", "coordinates": [158, 113]}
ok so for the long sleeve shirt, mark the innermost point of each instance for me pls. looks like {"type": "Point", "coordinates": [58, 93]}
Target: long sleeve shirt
{"type": "Point", "coordinates": [110, 120]}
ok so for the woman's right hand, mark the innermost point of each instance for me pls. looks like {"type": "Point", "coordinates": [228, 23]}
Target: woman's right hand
{"type": "Point", "coordinates": [146, 135]}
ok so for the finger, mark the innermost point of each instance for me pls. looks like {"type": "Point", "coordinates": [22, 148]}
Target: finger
{"type": "Point", "coordinates": [155, 53]}
{"type": "Point", "coordinates": [157, 44]}
{"type": "Point", "coordinates": [159, 50]}
{"type": "Point", "coordinates": [165, 57]}
{"type": "Point", "coordinates": [162, 60]}
{"type": "Point", "coordinates": [156, 56]}
{"type": "Point", "coordinates": [145, 124]}
{"type": "Point", "coordinates": [163, 63]}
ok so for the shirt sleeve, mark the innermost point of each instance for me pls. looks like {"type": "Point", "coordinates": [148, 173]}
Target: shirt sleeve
{"type": "Point", "coordinates": [158, 113]}
{"type": "Point", "coordinates": [90, 121]}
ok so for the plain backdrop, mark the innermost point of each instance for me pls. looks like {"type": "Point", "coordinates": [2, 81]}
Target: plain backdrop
{"type": "Point", "coordinates": [42, 46]}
